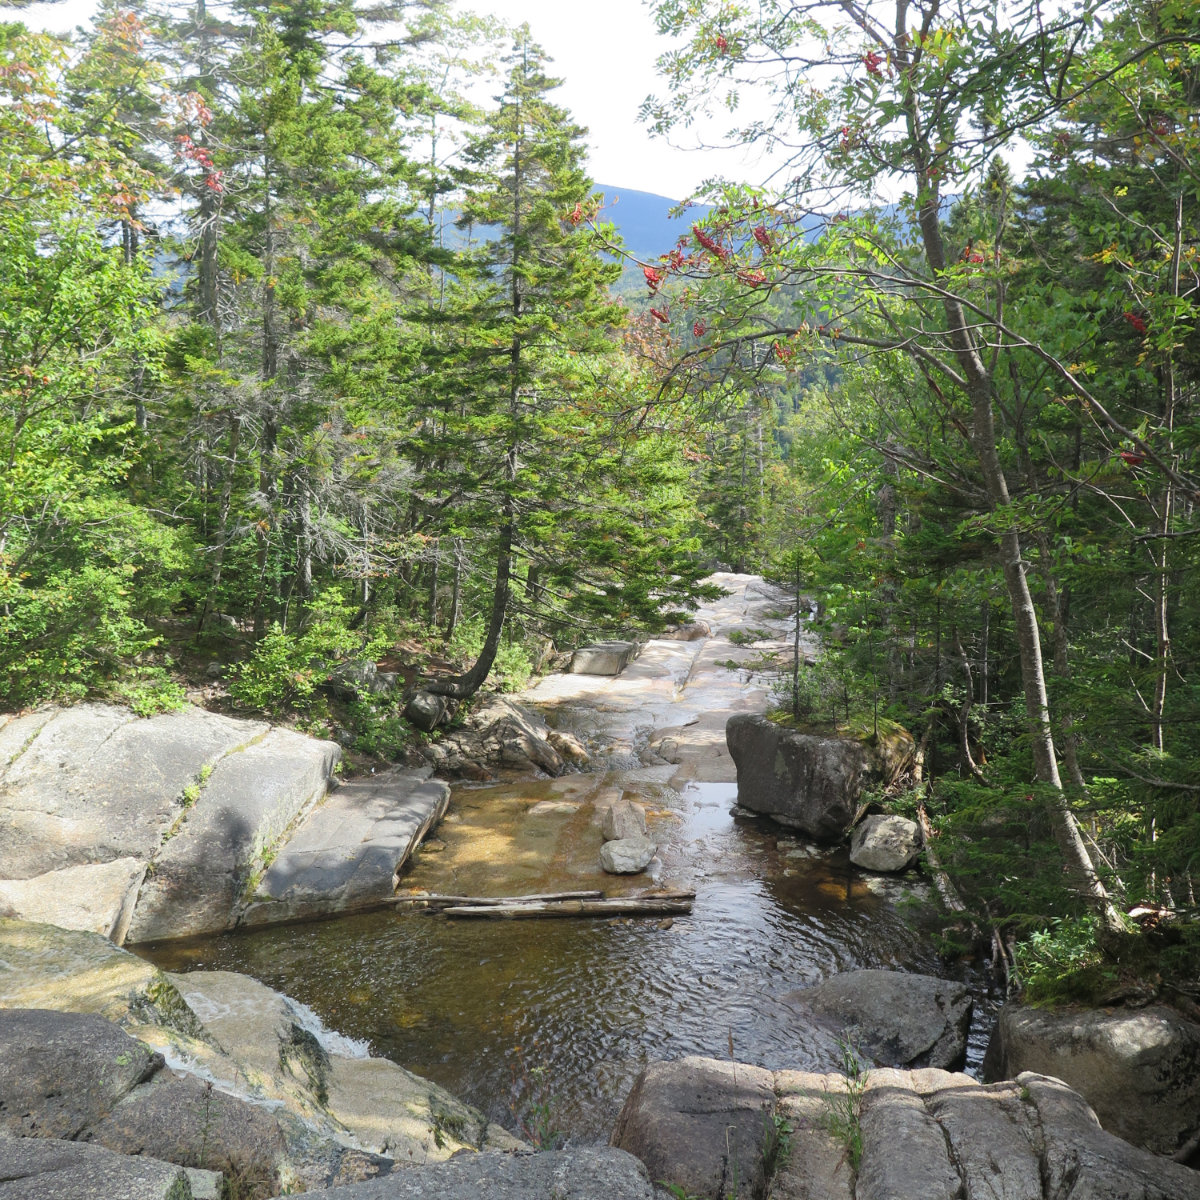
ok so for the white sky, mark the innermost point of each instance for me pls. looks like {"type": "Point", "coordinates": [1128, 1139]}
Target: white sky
{"type": "Point", "coordinates": [606, 60]}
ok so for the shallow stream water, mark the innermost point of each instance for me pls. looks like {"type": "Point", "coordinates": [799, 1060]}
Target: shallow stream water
{"type": "Point", "coordinates": [545, 1023]}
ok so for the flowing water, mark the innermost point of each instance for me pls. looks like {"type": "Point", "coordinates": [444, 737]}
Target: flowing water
{"type": "Point", "coordinates": [545, 1023]}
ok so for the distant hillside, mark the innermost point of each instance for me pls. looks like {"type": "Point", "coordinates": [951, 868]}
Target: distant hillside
{"type": "Point", "coordinates": [643, 222]}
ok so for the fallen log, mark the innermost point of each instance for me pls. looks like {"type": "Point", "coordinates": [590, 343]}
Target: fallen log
{"type": "Point", "coordinates": [439, 902]}
{"type": "Point", "coordinates": [615, 906]}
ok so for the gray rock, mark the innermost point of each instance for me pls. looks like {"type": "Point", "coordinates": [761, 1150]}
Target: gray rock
{"type": "Point", "coordinates": [78, 1076]}
{"type": "Point", "coordinates": [187, 1121]}
{"type": "Point", "coordinates": [43, 966]}
{"type": "Point", "coordinates": [594, 1173]}
{"type": "Point", "coordinates": [351, 680]}
{"type": "Point", "coordinates": [569, 747]}
{"type": "Point", "coordinates": [366, 1103]}
{"type": "Point", "coordinates": [924, 1135]}
{"type": "Point", "coordinates": [627, 856]}
{"type": "Point", "coordinates": [623, 819]}
{"type": "Point", "coordinates": [97, 783]}
{"type": "Point", "coordinates": [426, 711]}
{"type": "Point", "coordinates": [346, 855]}
{"type": "Point", "coordinates": [603, 658]}
{"type": "Point", "coordinates": [62, 1073]}
{"type": "Point", "coordinates": [885, 843]}
{"type": "Point", "coordinates": [904, 1148]}
{"type": "Point", "coordinates": [694, 632]}
{"type": "Point", "coordinates": [253, 1078]}
{"type": "Point", "coordinates": [48, 1169]}
{"type": "Point", "coordinates": [993, 1135]}
{"type": "Point", "coordinates": [806, 781]}
{"type": "Point", "coordinates": [1139, 1069]}
{"type": "Point", "coordinates": [896, 1018]}
{"type": "Point", "coordinates": [86, 798]}
{"type": "Point", "coordinates": [1081, 1160]}
{"type": "Point", "coordinates": [701, 1125]}
{"type": "Point", "coordinates": [95, 897]}
{"type": "Point", "coordinates": [496, 731]}
{"type": "Point", "coordinates": [816, 1166]}
{"type": "Point", "coordinates": [242, 814]}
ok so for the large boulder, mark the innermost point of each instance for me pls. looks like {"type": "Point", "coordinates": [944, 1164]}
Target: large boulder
{"type": "Point", "coordinates": [427, 710]}
{"type": "Point", "coordinates": [1139, 1069]}
{"type": "Point", "coordinates": [603, 658]}
{"type": "Point", "coordinates": [885, 843]}
{"type": "Point", "coordinates": [78, 1077]}
{"type": "Point", "coordinates": [696, 631]}
{"type": "Point", "coordinates": [237, 822]}
{"type": "Point", "coordinates": [51, 1169]}
{"type": "Point", "coordinates": [623, 819]}
{"type": "Point", "coordinates": [717, 1129]}
{"type": "Point", "coordinates": [897, 1019]}
{"type": "Point", "coordinates": [809, 781]}
{"type": "Point", "coordinates": [87, 795]}
{"type": "Point", "coordinates": [43, 966]}
{"type": "Point", "coordinates": [190, 823]}
{"type": "Point", "coordinates": [701, 1125]}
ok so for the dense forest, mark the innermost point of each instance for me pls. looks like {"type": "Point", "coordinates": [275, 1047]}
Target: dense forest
{"type": "Point", "coordinates": [309, 357]}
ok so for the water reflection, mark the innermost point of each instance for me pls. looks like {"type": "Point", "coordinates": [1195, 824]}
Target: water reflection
{"type": "Point", "coordinates": [511, 1015]}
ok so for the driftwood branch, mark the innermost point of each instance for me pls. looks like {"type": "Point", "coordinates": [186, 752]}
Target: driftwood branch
{"type": "Point", "coordinates": [437, 903]}
{"type": "Point", "coordinates": [590, 905]}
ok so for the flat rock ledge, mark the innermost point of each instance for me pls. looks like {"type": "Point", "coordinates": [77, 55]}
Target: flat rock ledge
{"type": "Point", "coordinates": [711, 1128]}
{"type": "Point", "coordinates": [190, 823]}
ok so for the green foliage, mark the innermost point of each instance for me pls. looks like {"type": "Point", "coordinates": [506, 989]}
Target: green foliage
{"type": "Point", "coordinates": [286, 669]}
{"type": "Point", "coordinates": [379, 726]}
{"type": "Point", "coordinates": [843, 1108]}
{"type": "Point", "coordinates": [148, 690]}
{"type": "Point", "coordinates": [1061, 963]}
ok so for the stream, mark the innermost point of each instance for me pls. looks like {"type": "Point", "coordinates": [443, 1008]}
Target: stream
{"type": "Point", "coordinates": [544, 1024]}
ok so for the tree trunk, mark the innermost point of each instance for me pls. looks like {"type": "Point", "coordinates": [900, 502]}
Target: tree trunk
{"type": "Point", "coordinates": [978, 385]}
{"type": "Point", "coordinates": [462, 687]}
{"type": "Point", "coordinates": [214, 581]}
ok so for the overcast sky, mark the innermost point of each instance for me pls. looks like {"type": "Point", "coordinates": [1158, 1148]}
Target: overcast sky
{"type": "Point", "coordinates": [605, 56]}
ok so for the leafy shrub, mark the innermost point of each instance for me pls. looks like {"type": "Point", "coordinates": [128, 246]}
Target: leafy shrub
{"type": "Point", "coordinates": [1062, 962]}
{"type": "Point", "coordinates": [286, 669]}
{"type": "Point", "coordinates": [148, 691]}
{"type": "Point", "coordinates": [379, 726]}
{"type": "Point", "coordinates": [74, 595]}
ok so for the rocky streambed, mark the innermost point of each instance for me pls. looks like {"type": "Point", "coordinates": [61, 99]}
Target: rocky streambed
{"type": "Point", "coordinates": [700, 1039]}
